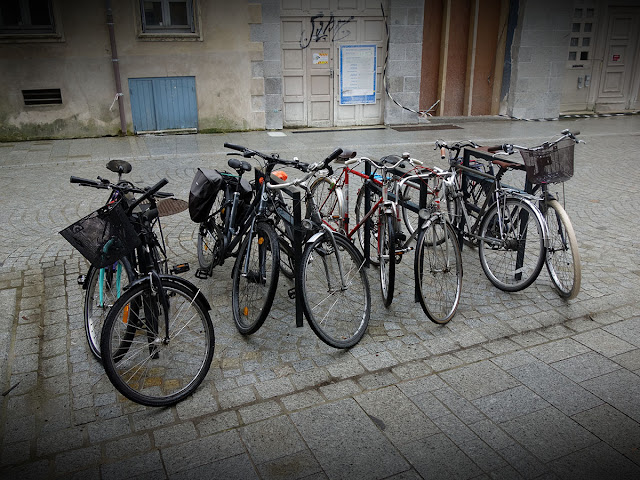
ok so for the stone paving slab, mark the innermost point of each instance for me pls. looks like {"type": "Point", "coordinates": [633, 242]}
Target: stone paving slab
{"type": "Point", "coordinates": [521, 385]}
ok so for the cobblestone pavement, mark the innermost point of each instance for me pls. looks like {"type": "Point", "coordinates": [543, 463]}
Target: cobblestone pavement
{"type": "Point", "coordinates": [521, 385]}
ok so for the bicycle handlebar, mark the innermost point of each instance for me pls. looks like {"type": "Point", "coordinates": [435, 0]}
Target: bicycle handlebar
{"type": "Point", "coordinates": [151, 191]}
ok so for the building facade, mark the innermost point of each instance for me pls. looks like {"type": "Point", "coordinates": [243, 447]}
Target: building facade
{"type": "Point", "coordinates": [74, 68]}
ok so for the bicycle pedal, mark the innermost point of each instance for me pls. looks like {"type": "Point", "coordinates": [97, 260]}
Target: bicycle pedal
{"type": "Point", "coordinates": [292, 293]}
{"type": "Point", "coordinates": [202, 273]}
{"type": "Point", "coordinates": [81, 279]}
{"type": "Point", "coordinates": [180, 268]}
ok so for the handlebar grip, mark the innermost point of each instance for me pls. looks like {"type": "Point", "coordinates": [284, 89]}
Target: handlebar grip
{"type": "Point", "coordinates": [85, 181]}
{"type": "Point", "coordinates": [443, 153]}
{"type": "Point", "coordinates": [496, 148]}
{"type": "Point", "coordinates": [148, 193]}
{"type": "Point", "coordinates": [335, 154]}
{"type": "Point", "coordinates": [234, 147]}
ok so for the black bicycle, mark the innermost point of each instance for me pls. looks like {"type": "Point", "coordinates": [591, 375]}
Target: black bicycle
{"type": "Point", "coordinates": [157, 341]}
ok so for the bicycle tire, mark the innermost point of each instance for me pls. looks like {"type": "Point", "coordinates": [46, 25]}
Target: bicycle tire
{"type": "Point", "coordinates": [286, 258]}
{"type": "Point", "coordinates": [210, 233]}
{"type": "Point", "coordinates": [562, 258]}
{"type": "Point", "coordinates": [387, 256]}
{"type": "Point", "coordinates": [522, 244]}
{"type": "Point", "coordinates": [373, 234]}
{"type": "Point", "coordinates": [328, 198]}
{"type": "Point", "coordinates": [438, 270]}
{"type": "Point", "coordinates": [252, 294]}
{"type": "Point", "coordinates": [338, 316]}
{"type": "Point", "coordinates": [95, 309]}
{"type": "Point", "coordinates": [141, 364]}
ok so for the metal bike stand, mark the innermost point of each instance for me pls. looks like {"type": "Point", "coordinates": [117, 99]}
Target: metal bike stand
{"type": "Point", "coordinates": [298, 238]}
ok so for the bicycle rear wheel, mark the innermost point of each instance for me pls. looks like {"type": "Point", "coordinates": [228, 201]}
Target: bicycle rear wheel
{"type": "Point", "coordinates": [337, 307]}
{"type": "Point", "coordinates": [210, 234]}
{"type": "Point", "coordinates": [511, 246]}
{"type": "Point", "coordinates": [145, 362]}
{"type": "Point", "coordinates": [328, 198]}
{"type": "Point", "coordinates": [104, 286]}
{"type": "Point", "coordinates": [563, 258]}
{"type": "Point", "coordinates": [387, 256]}
{"type": "Point", "coordinates": [438, 270]}
{"type": "Point", "coordinates": [253, 292]}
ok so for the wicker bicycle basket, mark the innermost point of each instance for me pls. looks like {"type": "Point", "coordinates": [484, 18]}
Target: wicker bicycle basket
{"type": "Point", "coordinates": [549, 163]}
{"type": "Point", "coordinates": [104, 236]}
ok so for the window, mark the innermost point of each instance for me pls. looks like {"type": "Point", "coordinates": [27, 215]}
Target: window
{"type": "Point", "coordinates": [26, 17]}
{"type": "Point", "coordinates": [167, 16]}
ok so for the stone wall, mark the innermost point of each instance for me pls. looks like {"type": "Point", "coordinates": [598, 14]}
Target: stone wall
{"type": "Point", "coordinates": [405, 18]}
{"type": "Point", "coordinates": [539, 56]}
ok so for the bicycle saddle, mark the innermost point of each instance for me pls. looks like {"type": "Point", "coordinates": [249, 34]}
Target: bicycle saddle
{"type": "Point", "coordinates": [119, 166]}
{"type": "Point", "coordinates": [238, 164]}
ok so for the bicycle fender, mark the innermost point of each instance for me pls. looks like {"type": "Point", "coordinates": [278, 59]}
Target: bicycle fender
{"type": "Point", "coordinates": [315, 236]}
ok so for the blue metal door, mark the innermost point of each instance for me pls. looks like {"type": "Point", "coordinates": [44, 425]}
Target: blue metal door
{"type": "Point", "coordinates": [163, 103]}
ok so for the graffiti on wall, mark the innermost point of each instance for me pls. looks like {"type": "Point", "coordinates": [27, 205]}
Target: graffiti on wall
{"type": "Point", "coordinates": [325, 29]}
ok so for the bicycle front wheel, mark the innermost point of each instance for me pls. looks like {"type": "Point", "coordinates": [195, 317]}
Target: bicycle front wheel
{"type": "Point", "coordinates": [563, 258]}
{"type": "Point", "coordinates": [511, 245]}
{"type": "Point", "coordinates": [438, 270]}
{"type": "Point", "coordinates": [104, 287]}
{"type": "Point", "coordinates": [255, 278]}
{"type": "Point", "coordinates": [328, 199]}
{"type": "Point", "coordinates": [148, 363]}
{"type": "Point", "coordinates": [387, 256]}
{"type": "Point", "coordinates": [336, 300]}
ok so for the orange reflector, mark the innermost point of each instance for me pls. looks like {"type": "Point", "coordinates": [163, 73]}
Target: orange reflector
{"type": "Point", "coordinates": [260, 240]}
{"type": "Point", "coordinates": [245, 311]}
{"type": "Point", "coordinates": [125, 314]}
{"type": "Point", "coordinates": [278, 174]}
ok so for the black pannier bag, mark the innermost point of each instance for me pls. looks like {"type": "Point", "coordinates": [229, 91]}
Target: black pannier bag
{"type": "Point", "coordinates": [203, 192]}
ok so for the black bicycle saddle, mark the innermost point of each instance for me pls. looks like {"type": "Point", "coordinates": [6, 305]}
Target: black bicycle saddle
{"type": "Point", "coordinates": [119, 166]}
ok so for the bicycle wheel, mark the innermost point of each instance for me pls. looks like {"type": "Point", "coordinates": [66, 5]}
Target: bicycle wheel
{"type": "Point", "coordinates": [387, 256]}
{"type": "Point", "coordinates": [328, 198]}
{"type": "Point", "coordinates": [286, 257]}
{"type": "Point", "coordinates": [209, 243]}
{"type": "Point", "coordinates": [210, 233]}
{"type": "Point", "coordinates": [563, 258]}
{"type": "Point", "coordinates": [373, 234]}
{"type": "Point", "coordinates": [252, 293]}
{"type": "Point", "coordinates": [438, 270]}
{"type": "Point", "coordinates": [511, 246]}
{"type": "Point", "coordinates": [337, 308]}
{"type": "Point", "coordinates": [100, 295]}
{"type": "Point", "coordinates": [145, 362]}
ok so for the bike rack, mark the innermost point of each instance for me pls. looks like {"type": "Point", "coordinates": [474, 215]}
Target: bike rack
{"type": "Point", "coordinates": [367, 206]}
{"type": "Point", "coordinates": [298, 238]}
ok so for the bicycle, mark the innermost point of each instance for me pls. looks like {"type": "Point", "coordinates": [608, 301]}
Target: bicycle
{"type": "Point", "coordinates": [509, 229]}
{"type": "Point", "coordinates": [157, 341]}
{"type": "Point", "coordinates": [330, 275]}
{"type": "Point", "coordinates": [552, 162]}
{"type": "Point", "coordinates": [103, 286]}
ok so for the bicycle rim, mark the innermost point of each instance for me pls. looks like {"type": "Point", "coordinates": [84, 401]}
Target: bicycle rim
{"type": "Point", "coordinates": [387, 258]}
{"type": "Point", "coordinates": [99, 300]}
{"type": "Point", "coordinates": [141, 364]}
{"type": "Point", "coordinates": [563, 258]}
{"type": "Point", "coordinates": [338, 313]}
{"type": "Point", "coordinates": [438, 270]}
{"type": "Point", "coordinates": [253, 291]}
{"type": "Point", "coordinates": [329, 202]}
{"type": "Point", "coordinates": [511, 246]}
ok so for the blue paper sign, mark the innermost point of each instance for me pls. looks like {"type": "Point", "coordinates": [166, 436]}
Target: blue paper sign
{"type": "Point", "coordinates": [357, 74]}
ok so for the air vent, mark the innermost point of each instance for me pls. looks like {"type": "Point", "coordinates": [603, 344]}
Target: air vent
{"type": "Point", "coordinates": [45, 96]}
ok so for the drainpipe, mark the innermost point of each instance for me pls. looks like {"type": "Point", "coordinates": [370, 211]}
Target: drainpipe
{"type": "Point", "coordinates": [116, 68]}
